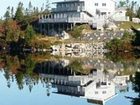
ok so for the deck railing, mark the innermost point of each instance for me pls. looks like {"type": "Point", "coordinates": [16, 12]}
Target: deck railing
{"type": "Point", "coordinates": [63, 20]}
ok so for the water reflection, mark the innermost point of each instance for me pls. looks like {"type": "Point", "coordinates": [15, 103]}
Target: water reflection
{"type": "Point", "coordinates": [96, 80]}
{"type": "Point", "coordinates": [96, 87]}
{"type": "Point", "coordinates": [136, 87]}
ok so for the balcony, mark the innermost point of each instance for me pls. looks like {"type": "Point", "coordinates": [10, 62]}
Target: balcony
{"type": "Point", "coordinates": [63, 20]}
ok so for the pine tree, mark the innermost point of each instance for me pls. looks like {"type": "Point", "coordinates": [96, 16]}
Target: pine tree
{"type": "Point", "coordinates": [122, 4]}
{"type": "Point", "coordinates": [47, 6]}
{"type": "Point", "coordinates": [29, 33]}
{"type": "Point", "coordinates": [138, 13]}
{"type": "Point", "coordinates": [30, 6]}
{"type": "Point", "coordinates": [12, 12]}
{"type": "Point", "coordinates": [36, 11]}
{"type": "Point", "coordinates": [7, 15]}
{"type": "Point", "coordinates": [131, 9]}
{"type": "Point", "coordinates": [19, 12]}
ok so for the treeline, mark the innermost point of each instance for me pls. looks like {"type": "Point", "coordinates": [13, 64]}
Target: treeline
{"type": "Point", "coordinates": [21, 24]}
{"type": "Point", "coordinates": [132, 7]}
{"type": "Point", "coordinates": [22, 13]}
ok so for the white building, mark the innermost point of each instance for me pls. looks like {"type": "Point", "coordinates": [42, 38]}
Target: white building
{"type": "Point", "coordinates": [96, 87]}
{"type": "Point", "coordinates": [71, 12]}
{"type": "Point", "coordinates": [120, 14]}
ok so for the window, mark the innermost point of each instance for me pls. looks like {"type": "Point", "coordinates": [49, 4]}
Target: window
{"type": "Point", "coordinates": [104, 92]}
{"type": "Point", "coordinates": [109, 83]}
{"type": "Point", "coordinates": [120, 12]}
{"type": "Point", "coordinates": [96, 92]}
{"type": "Point", "coordinates": [60, 5]}
{"type": "Point", "coordinates": [103, 4]}
{"type": "Point", "coordinates": [83, 4]}
{"type": "Point", "coordinates": [64, 5]}
{"type": "Point", "coordinates": [103, 13]}
{"type": "Point", "coordinates": [96, 4]}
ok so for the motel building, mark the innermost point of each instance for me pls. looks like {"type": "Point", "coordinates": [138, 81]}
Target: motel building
{"type": "Point", "coordinates": [69, 13]}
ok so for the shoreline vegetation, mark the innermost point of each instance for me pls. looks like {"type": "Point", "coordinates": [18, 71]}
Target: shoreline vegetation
{"type": "Point", "coordinates": [18, 29]}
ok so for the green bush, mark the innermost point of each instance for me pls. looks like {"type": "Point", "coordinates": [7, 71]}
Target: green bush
{"type": "Point", "coordinates": [77, 30]}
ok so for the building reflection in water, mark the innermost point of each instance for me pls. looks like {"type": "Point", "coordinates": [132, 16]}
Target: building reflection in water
{"type": "Point", "coordinates": [97, 86]}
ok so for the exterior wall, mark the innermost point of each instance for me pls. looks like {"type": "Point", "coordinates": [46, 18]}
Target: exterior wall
{"type": "Point", "coordinates": [120, 15]}
{"type": "Point", "coordinates": [101, 89]}
{"type": "Point", "coordinates": [102, 93]}
{"type": "Point", "coordinates": [84, 16]}
{"type": "Point", "coordinates": [136, 20]}
{"type": "Point", "coordinates": [92, 5]}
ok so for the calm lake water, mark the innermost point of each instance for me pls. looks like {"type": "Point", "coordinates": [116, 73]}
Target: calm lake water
{"type": "Point", "coordinates": [40, 80]}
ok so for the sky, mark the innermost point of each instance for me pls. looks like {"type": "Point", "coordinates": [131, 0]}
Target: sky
{"type": "Point", "coordinates": [5, 3]}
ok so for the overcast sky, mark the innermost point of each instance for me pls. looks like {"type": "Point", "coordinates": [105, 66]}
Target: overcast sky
{"type": "Point", "coordinates": [5, 3]}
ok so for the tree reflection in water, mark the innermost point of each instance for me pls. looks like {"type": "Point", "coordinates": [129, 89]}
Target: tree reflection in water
{"type": "Point", "coordinates": [136, 88]}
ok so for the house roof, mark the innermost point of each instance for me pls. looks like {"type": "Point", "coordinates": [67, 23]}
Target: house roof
{"type": "Point", "coordinates": [73, 1]}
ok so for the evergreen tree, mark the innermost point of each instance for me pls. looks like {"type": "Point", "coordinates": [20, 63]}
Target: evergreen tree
{"type": "Point", "coordinates": [7, 15]}
{"type": "Point", "coordinates": [26, 11]}
{"type": "Point", "coordinates": [30, 6]}
{"type": "Point", "coordinates": [12, 12]}
{"type": "Point", "coordinates": [138, 13]}
{"type": "Point", "coordinates": [122, 4]}
{"type": "Point", "coordinates": [131, 9]}
{"type": "Point", "coordinates": [130, 13]}
{"type": "Point", "coordinates": [42, 8]}
{"type": "Point", "coordinates": [8, 8]}
{"type": "Point", "coordinates": [19, 12]}
{"type": "Point", "coordinates": [29, 33]}
{"type": "Point", "coordinates": [36, 11]}
{"type": "Point", "coordinates": [47, 6]}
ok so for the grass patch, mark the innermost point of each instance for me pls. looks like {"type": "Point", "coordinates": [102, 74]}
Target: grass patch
{"type": "Point", "coordinates": [78, 30]}
{"type": "Point", "coordinates": [128, 25]}
{"type": "Point", "coordinates": [44, 42]}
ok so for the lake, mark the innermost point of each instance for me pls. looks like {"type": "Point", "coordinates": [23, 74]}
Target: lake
{"type": "Point", "coordinates": [48, 80]}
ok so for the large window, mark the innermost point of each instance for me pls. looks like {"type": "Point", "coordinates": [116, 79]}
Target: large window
{"type": "Point", "coordinates": [96, 4]}
{"type": "Point", "coordinates": [104, 92]}
{"type": "Point", "coordinates": [103, 4]}
{"type": "Point", "coordinates": [103, 13]}
{"type": "Point", "coordinates": [96, 92]}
